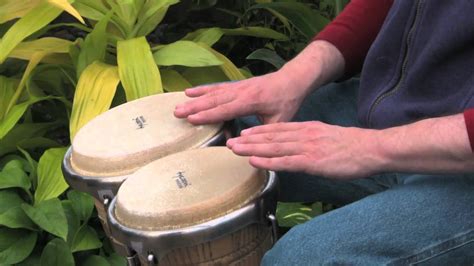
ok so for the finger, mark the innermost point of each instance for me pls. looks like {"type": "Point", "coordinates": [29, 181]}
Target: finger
{"type": "Point", "coordinates": [204, 89]}
{"type": "Point", "coordinates": [295, 163]}
{"type": "Point", "coordinates": [277, 127]}
{"type": "Point", "coordinates": [220, 113]}
{"type": "Point", "coordinates": [268, 149]}
{"type": "Point", "coordinates": [285, 136]}
{"type": "Point", "coordinates": [202, 103]}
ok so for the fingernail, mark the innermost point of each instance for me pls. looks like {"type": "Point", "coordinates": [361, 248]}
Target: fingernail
{"type": "Point", "coordinates": [230, 142]}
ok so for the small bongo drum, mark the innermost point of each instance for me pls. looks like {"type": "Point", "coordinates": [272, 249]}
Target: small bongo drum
{"type": "Point", "coordinates": [118, 142]}
{"type": "Point", "coordinates": [198, 207]}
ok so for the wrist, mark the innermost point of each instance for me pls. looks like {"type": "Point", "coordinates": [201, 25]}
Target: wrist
{"type": "Point", "coordinates": [318, 64]}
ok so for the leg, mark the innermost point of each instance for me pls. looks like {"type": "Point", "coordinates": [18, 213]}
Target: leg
{"type": "Point", "coordinates": [426, 220]}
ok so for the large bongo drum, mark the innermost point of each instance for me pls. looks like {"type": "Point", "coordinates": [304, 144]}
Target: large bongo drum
{"type": "Point", "coordinates": [198, 207]}
{"type": "Point", "coordinates": [118, 142]}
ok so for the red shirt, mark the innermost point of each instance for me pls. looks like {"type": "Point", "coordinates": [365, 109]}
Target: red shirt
{"type": "Point", "coordinates": [354, 30]}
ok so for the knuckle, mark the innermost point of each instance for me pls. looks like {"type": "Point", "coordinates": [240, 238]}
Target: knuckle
{"type": "Point", "coordinates": [277, 148]}
{"type": "Point", "coordinates": [269, 137]}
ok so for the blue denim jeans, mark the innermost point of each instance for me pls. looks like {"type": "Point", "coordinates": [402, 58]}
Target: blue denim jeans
{"type": "Point", "coordinates": [395, 219]}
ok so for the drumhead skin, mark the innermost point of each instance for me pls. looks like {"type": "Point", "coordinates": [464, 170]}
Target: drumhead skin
{"type": "Point", "coordinates": [123, 139]}
{"type": "Point", "coordinates": [186, 189]}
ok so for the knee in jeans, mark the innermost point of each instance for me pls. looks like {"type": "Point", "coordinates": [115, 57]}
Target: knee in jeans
{"type": "Point", "coordinates": [300, 246]}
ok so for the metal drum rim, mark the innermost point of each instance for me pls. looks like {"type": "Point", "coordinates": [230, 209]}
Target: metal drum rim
{"type": "Point", "coordinates": [161, 242]}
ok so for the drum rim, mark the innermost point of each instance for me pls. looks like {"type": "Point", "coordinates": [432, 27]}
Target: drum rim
{"type": "Point", "coordinates": [159, 243]}
{"type": "Point", "coordinates": [106, 187]}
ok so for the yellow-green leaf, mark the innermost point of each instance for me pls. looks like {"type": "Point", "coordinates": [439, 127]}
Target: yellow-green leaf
{"type": "Point", "coordinates": [25, 50]}
{"type": "Point", "coordinates": [151, 15]}
{"type": "Point", "coordinates": [230, 70]}
{"type": "Point", "coordinates": [138, 71]}
{"type": "Point", "coordinates": [185, 53]}
{"type": "Point", "coordinates": [34, 61]}
{"type": "Point", "coordinates": [94, 93]}
{"type": "Point", "coordinates": [51, 181]}
{"type": "Point", "coordinates": [7, 89]}
{"type": "Point", "coordinates": [33, 21]}
{"type": "Point", "coordinates": [94, 46]}
{"type": "Point", "coordinates": [11, 9]}
{"type": "Point", "coordinates": [66, 6]}
{"type": "Point", "coordinates": [173, 81]}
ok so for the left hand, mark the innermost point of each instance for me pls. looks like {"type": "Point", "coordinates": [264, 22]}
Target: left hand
{"type": "Point", "coordinates": [311, 147]}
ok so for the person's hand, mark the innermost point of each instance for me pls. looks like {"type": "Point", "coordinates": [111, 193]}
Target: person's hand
{"type": "Point", "coordinates": [272, 97]}
{"type": "Point", "coordinates": [311, 147]}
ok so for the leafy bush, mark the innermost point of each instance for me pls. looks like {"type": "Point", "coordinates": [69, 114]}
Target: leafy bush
{"type": "Point", "coordinates": [62, 64]}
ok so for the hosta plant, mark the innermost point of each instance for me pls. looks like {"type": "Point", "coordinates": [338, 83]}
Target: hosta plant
{"type": "Point", "coordinates": [50, 87]}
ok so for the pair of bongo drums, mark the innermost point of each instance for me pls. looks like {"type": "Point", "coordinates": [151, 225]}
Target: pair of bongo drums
{"type": "Point", "coordinates": [166, 193]}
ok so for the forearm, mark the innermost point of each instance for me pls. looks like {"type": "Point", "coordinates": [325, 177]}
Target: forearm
{"type": "Point", "coordinates": [319, 63]}
{"type": "Point", "coordinates": [436, 145]}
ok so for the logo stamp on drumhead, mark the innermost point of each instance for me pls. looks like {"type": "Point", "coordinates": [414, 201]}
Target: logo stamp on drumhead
{"type": "Point", "coordinates": [140, 121]}
{"type": "Point", "coordinates": [181, 180]}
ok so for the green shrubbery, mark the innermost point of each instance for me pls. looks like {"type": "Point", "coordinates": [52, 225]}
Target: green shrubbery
{"type": "Point", "coordinates": [62, 64]}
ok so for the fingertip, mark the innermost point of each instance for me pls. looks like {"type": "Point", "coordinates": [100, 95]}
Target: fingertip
{"type": "Point", "coordinates": [245, 132]}
{"type": "Point", "coordinates": [230, 143]}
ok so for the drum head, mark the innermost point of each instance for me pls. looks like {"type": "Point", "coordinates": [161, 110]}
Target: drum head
{"type": "Point", "coordinates": [131, 135]}
{"type": "Point", "coordinates": [186, 189]}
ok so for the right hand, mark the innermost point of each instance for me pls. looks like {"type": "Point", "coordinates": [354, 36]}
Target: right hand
{"type": "Point", "coordinates": [272, 97]}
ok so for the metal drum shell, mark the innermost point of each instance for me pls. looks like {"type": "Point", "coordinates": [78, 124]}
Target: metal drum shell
{"type": "Point", "coordinates": [152, 246]}
{"type": "Point", "coordinates": [104, 189]}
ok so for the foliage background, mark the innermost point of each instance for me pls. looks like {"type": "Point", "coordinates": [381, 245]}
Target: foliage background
{"type": "Point", "coordinates": [51, 64]}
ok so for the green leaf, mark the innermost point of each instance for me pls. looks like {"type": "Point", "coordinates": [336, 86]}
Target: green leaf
{"type": "Point", "coordinates": [138, 71]}
{"type": "Point", "coordinates": [85, 239]}
{"type": "Point", "coordinates": [13, 175]}
{"type": "Point", "coordinates": [204, 75]}
{"type": "Point", "coordinates": [57, 253]}
{"type": "Point", "coordinates": [151, 15]}
{"type": "Point", "coordinates": [268, 56]}
{"type": "Point", "coordinates": [291, 214]}
{"type": "Point", "coordinates": [185, 53]}
{"type": "Point", "coordinates": [34, 61]}
{"type": "Point", "coordinates": [94, 94]}
{"type": "Point", "coordinates": [94, 46]}
{"type": "Point", "coordinates": [82, 203]}
{"type": "Point", "coordinates": [7, 90]}
{"type": "Point", "coordinates": [33, 21]}
{"type": "Point", "coordinates": [51, 181]}
{"type": "Point", "coordinates": [73, 222]}
{"type": "Point", "coordinates": [9, 199]}
{"type": "Point", "coordinates": [49, 215]}
{"type": "Point", "coordinates": [15, 217]}
{"type": "Point", "coordinates": [173, 81]}
{"type": "Point", "coordinates": [229, 69]}
{"type": "Point", "coordinates": [27, 136]}
{"type": "Point", "coordinates": [306, 20]}
{"type": "Point", "coordinates": [15, 113]}
{"type": "Point", "coordinates": [210, 36]}
{"type": "Point", "coordinates": [95, 260]}
{"type": "Point", "coordinates": [32, 168]}
{"type": "Point", "coordinates": [15, 245]}
{"type": "Point", "coordinates": [10, 216]}
{"type": "Point", "coordinates": [259, 32]}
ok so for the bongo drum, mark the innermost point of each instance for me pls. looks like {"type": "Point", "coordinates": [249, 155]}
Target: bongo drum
{"type": "Point", "coordinates": [118, 142]}
{"type": "Point", "coordinates": [198, 207]}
